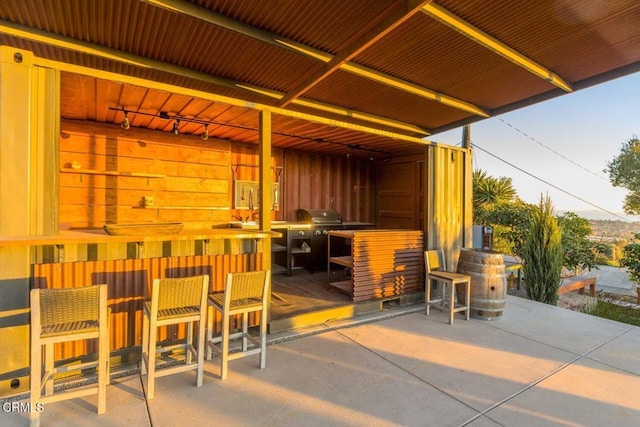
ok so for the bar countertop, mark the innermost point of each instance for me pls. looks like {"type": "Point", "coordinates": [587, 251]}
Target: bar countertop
{"type": "Point", "coordinates": [100, 236]}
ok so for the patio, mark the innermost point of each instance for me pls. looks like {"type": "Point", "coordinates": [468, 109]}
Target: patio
{"type": "Point", "coordinates": [538, 365]}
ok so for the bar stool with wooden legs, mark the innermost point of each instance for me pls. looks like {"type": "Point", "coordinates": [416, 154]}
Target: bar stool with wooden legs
{"type": "Point", "coordinates": [436, 270]}
{"type": "Point", "coordinates": [174, 301]}
{"type": "Point", "coordinates": [244, 293]}
{"type": "Point", "coordinates": [64, 315]}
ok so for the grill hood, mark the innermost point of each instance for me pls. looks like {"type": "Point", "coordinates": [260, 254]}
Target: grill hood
{"type": "Point", "coordinates": [319, 216]}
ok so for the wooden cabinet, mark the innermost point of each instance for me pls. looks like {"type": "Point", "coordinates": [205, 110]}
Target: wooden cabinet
{"type": "Point", "coordinates": [382, 263]}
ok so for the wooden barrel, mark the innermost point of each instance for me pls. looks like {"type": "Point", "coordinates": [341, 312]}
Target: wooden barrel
{"type": "Point", "coordinates": [488, 282]}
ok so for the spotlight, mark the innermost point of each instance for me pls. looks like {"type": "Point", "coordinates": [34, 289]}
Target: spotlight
{"type": "Point", "coordinates": [349, 155]}
{"type": "Point", "coordinates": [371, 157]}
{"type": "Point", "coordinates": [205, 134]}
{"type": "Point", "coordinates": [125, 122]}
{"type": "Point", "coordinates": [176, 127]}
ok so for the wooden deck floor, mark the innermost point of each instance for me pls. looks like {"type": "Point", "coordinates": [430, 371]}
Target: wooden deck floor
{"type": "Point", "coordinates": [303, 292]}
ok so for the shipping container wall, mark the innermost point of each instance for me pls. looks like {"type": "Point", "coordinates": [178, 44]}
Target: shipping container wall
{"type": "Point", "coordinates": [449, 202]}
{"type": "Point", "coordinates": [319, 182]}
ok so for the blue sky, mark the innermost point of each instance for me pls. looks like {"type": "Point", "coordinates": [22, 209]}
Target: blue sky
{"type": "Point", "coordinates": [588, 127]}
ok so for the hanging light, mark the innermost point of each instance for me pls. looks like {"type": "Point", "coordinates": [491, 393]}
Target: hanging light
{"type": "Point", "coordinates": [176, 127]}
{"type": "Point", "coordinates": [205, 134]}
{"type": "Point", "coordinates": [125, 122]}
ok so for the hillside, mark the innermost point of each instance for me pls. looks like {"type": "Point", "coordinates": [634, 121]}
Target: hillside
{"type": "Point", "coordinates": [609, 231]}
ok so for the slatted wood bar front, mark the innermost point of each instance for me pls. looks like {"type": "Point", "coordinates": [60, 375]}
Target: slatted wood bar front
{"type": "Point", "coordinates": [384, 263]}
{"type": "Point", "coordinates": [129, 283]}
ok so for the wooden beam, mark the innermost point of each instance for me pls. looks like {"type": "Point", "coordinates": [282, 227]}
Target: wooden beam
{"type": "Point", "coordinates": [152, 84]}
{"type": "Point", "coordinates": [340, 111]}
{"type": "Point", "coordinates": [264, 163]}
{"type": "Point", "coordinates": [480, 37]}
{"type": "Point", "coordinates": [185, 8]}
{"type": "Point", "coordinates": [388, 24]}
{"type": "Point", "coordinates": [146, 63]}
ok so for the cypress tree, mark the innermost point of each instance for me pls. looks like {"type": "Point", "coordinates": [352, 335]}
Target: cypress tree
{"type": "Point", "coordinates": [542, 254]}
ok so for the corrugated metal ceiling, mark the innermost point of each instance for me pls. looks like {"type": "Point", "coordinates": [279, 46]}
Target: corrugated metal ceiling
{"type": "Point", "coordinates": [215, 46]}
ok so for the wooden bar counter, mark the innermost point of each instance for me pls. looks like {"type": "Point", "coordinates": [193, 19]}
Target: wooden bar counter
{"type": "Point", "coordinates": [128, 264]}
{"type": "Point", "coordinates": [382, 263]}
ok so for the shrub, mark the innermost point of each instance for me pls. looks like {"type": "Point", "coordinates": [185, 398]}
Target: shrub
{"type": "Point", "coordinates": [542, 254]}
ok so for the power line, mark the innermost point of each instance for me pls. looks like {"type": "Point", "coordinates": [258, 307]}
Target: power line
{"type": "Point", "coordinates": [551, 149]}
{"type": "Point", "coordinates": [549, 184]}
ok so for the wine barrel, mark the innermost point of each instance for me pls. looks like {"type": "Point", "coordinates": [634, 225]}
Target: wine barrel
{"type": "Point", "coordinates": [488, 282]}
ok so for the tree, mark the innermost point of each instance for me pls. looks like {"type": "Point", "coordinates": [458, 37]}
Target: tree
{"type": "Point", "coordinates": [511, 223]}
{"type": "Point", "coordinates": [542, 254]}
{"type": "Point", "coordinates": [578, 251]}
{"type": "Point", "coordinates": [624, 171]}
{"type": "Point", "coordinates": [631, 258]}
{"type": "Point", "coordinates": [488, 192]}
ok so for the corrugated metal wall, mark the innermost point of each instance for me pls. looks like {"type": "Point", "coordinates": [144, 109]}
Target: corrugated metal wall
{"type": "Point", "coordinates": [320, 182]}
{"type": "Point", "coordinates": [130, 283]}
{"type": "Point", "coordinates": [449, 213]}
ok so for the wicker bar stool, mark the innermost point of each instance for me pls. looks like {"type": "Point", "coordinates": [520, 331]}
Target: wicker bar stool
{"type": "Point", "coordinates": [244, 293]}
{"type": "Point", "coordinates": [63, 315]}
{"type": "Point", "coordinates": [174, 301]}
{"type": "Point", "coordinates": [436, 270]}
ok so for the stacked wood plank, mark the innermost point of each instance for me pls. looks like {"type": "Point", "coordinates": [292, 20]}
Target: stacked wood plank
{"type": "Point", "coordinates": [385, 263]}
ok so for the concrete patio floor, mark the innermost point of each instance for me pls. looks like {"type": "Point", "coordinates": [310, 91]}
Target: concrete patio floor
{"type": "Point", "coordinates": [538, 365]}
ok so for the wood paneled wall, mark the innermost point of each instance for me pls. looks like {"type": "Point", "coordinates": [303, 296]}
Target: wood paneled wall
{"type": "Point", "coordinates": [192, 180]}
{"type": "Point", "coordinates": [193, 176]}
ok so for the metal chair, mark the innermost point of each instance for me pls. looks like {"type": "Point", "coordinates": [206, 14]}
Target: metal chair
{"type": "Point", "coordinates": [436, 270]}
{"type": "Point", "coordinates": [174, 301]}
{"type": "Point", "coordinates": [244, 293]}
{"type": "Point", "coordinates": [63, 315]}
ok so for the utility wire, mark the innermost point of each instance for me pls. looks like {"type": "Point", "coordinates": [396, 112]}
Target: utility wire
{"type": "Point", "coordinates": [551, 149]}
{"type": "Point", "coordinates": [549, 184]}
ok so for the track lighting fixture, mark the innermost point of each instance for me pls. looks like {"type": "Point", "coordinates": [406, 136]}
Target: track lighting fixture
{"type": "Point", "coordinates": [353, 148]}
{"type": "Point", "coordinates": [125, 122]}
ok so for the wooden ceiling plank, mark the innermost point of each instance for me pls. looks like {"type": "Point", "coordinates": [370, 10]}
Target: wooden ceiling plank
{"type": "Point", "coordinates": [146, 63]}
{"type": "Point", "coordinates": [477, 35]}
{"type": "Point", "coordinates": [101, 74]}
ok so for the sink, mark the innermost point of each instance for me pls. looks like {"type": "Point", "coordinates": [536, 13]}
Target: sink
{"type": "Point", "coordinates": [254, 225]}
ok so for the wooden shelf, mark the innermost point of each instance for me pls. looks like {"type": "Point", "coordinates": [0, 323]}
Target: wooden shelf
{"type": "Point", "coordinates": [345, 286]}
{"type": "Point", "coordinates": [112, 173]}
{"type": "Point", "coordinates": [206, 208]}
{"type": "Point", "coordinates": [346, 261]}
{"type": "Point", "coordinates": [275, 247]}
{"type": "Point", "coordinates": [298, 251]}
